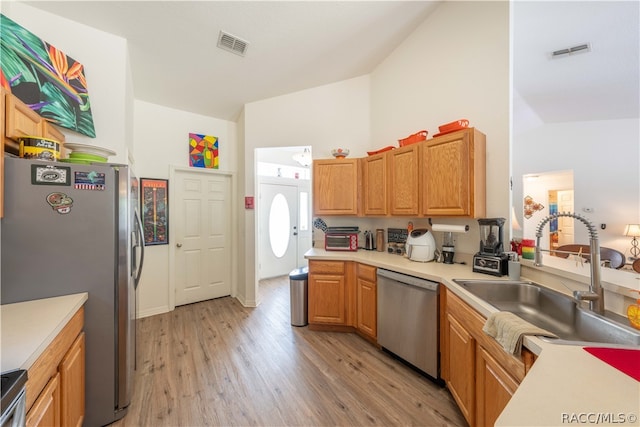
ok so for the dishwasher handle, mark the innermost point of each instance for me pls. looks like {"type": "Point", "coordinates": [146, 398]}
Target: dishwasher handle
{"type": "Point", "coordinates": [408, 280]}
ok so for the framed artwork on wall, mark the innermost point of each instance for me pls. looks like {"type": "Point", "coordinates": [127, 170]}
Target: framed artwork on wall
{"type": "Point", "coordinates": [203, 151]}
{"type": "Point", "coordinates": [154, 201]}
{"type": "Point", "coordinates": [42, 76]}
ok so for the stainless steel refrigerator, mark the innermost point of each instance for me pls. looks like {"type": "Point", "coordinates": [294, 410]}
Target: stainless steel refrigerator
{"type": "Point", "coordinates": [70, 228]}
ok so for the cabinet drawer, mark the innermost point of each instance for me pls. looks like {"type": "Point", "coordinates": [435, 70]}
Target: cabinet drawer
{"type": "Point", "coordinates": [367, 272]}
{"type": "Point", "coordinates": [326, 267]}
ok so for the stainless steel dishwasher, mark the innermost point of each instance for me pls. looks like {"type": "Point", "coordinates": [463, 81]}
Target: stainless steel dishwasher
{"type": "Point", "coordinates": [408, 319]}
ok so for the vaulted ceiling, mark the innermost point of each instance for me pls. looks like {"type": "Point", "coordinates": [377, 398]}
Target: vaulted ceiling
{"type": "Point", "coordinates": [298, 45]}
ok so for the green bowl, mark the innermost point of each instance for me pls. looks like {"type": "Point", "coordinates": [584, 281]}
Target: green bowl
{"type": "Point", "coordinates": [89, 157]}
{"type": "Point", "coordinates": [78, 161]}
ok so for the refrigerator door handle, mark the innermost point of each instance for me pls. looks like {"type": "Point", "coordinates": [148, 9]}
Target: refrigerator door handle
{"type": "Point", "coordinates": [138, 244]}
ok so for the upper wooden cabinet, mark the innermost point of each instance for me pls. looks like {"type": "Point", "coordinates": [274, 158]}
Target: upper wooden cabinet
{"type": "Point", "coordinates": [404, 180]}
{"type": "Point", "coordinates": [335, 186]}
{"type": "Point", "coordinates": [454, 175]}
{"type": "Point", "coordinates": [374, 185]}
{"type": "Point", "coordinates": [19, 120]}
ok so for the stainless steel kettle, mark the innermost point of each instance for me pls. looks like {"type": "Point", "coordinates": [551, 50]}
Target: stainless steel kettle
{"type": "Point", "coordinates": [369, 240]}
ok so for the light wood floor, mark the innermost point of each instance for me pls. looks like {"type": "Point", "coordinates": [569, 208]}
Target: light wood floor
{"type": "Point", "coordinates": [216, 363]}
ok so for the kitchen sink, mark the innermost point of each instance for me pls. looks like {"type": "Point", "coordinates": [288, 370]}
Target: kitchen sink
{"type": "Point", "coordinates": [553, 311]}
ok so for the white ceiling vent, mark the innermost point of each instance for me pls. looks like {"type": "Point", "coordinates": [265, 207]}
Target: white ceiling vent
{"type": "Point", "coordinates": [582, 48]}
{"type": "Point", "coordinates": [232, 43]}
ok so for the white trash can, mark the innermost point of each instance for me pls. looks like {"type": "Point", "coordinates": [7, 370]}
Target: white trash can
{"type": "Point", "coordinates": [298, 288]}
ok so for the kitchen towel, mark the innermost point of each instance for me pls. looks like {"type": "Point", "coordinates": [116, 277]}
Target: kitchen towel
{"type": "Point", "coordinates": [509, 330]}
{"type": "Point", "coordinates": [623, 359]}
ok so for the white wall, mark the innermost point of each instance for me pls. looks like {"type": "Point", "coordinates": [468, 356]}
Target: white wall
{"type": "Point", "coordinates": [161, 139]}
{"type": "Point", "coordinates": [325, 117]}
{"type": "Point", "coordinates": [455, 65]}
{"type": "Point", "coordinates": [106, 66]}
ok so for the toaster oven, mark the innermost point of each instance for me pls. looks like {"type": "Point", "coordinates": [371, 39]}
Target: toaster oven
{"type": "Point", "coordinates": [341, 241]}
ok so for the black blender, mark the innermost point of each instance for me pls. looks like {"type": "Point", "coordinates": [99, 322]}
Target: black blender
{"type": "Point", "coordinates": [492, 258]}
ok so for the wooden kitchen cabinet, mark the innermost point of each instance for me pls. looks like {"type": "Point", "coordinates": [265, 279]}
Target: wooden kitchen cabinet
{"type": "Point", "coordinates": [45, 412]}
{"type": "Point", "coordinates": [404, 180]}
{"type": "Point", "coordinates": [480, 375]}
{"type": "Point", "coordinates": [20, 121]}
{"type": "Point", "coordinates": [374, 185]}
{"type": "Point", "coordinates": [460, 355]}
{"type": "Point", "coordinates": [55, 389]}
{"type": "Point", "coordinates": [494, 388]}
{"type": "Point", "coordinates": [335, 186]}
{"type": "Point", "coordinates": [72, 379]}
{"type": "Point", "coordinates": [367, 301]}
{"type": "Point", "coordinates": [454, 175]}
{"type": "Point", "coordinates": [331, 293]}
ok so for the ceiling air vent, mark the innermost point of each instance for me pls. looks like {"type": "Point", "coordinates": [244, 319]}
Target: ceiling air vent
{"type": "Point", "coordinates": [232, 43]}
{"type": "Point", "coordinates": [582, 48]}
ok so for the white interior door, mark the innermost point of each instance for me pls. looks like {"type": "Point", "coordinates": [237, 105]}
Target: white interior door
{"type": "Point", "coordinates": [278, 233]}
{"type": "Point", "coordinates": [566, 232]}
{"type": "Point", "coordinates": [202, 224]}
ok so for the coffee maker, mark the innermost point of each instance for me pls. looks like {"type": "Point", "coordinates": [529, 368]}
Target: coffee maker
{"type": "Point", "coordinates": [492, 258]}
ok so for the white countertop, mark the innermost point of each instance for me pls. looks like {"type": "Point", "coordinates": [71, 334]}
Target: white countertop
{"type": "Point", "coordinates": [27, 328]}
{"type": "Point", "coordinates": [565, 386]}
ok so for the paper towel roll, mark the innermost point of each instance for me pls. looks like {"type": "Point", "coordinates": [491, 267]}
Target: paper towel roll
{"type": "Point", "coordinates": [450, 228]}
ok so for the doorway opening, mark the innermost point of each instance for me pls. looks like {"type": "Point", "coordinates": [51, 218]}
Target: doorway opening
{"type": "Point", "coordinates": [544, 194]}
{"type": "Point", "coordinates": [283, 209]}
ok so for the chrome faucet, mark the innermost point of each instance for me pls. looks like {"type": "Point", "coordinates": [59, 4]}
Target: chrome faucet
{"type": "Point", "coordinates": [595, 296]}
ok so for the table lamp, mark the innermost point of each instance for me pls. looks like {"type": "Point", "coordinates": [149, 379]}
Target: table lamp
{"type": "Point", "coordinates": [633, 230]}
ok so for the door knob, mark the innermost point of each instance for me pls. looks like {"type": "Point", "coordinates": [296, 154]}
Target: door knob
{"type": "Point", "coordinates": [179, 245]}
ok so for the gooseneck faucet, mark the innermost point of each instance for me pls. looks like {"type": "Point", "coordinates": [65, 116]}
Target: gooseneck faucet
{"type": "Point", "coordinates": [595, 296]}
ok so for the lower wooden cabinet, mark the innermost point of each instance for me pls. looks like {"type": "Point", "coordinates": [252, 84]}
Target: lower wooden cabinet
{"type": "Point", "coordinates": [343, 296]}
{"type": "Point", "coordinates": [331, 293]}
{"type": "Point", "coordinates": [480, 375]}
{"type": "Point", "coordinates": [367, 301]}
{"type": "Point", "coordinates": [72, 376]}
{"type": "Point", "coordinates": [46, 410]}
{"type": "Point", "coordinates": [461, 377]}
{"type": "Point", "coordinates": [494, 388]}
{"type": "Point", "coordinates": [56, 380]}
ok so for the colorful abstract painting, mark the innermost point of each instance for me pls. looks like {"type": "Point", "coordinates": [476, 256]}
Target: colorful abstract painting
{"type": "Point", "coordinates": [203, 151]}
{"type": "Point", "coordinates": [43, 77]}
{"type": "Point", "coordinates": [155, 211]}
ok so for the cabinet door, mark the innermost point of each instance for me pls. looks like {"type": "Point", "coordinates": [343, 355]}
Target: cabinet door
{"type": "Point", "coordinates": [72, 375]}
{"type": "Point", "coordinates": [404, 180]}
{"type": "Point", "coordinates": [327, 299]}
{"type": "Point", "coordinates": [45, 412]}
{"type": "Point", "coordinates": [374, 184]}
{"type": "Point", "coordinates": [461, 367]}
{"type": "Point", "coordinates": [21, 120]}
{"type": "Point", "coordinates": [335, 187]}
{"type": "Point", "coordinates": [494, 388]}
{"type": "Point", "coordinates": [454, 175]}
{"type": "Point", "coordinates": [367, 301]}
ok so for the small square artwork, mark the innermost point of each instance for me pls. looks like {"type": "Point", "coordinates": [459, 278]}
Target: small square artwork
{"type": "Point", "coordinates": [203, 151]}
